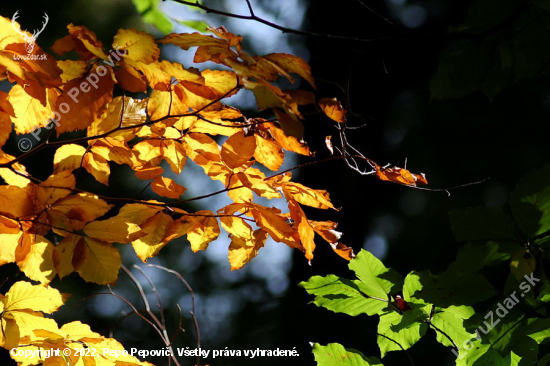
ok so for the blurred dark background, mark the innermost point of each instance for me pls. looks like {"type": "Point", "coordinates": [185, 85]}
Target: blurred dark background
{"type": "Point", "coordinates": [385, 78]}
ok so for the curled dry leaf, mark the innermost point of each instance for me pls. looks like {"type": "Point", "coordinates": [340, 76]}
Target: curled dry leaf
{"type": "Point", "coordinates": [328, 143]}
{"type": "Point", "coordinates": [333, 109]}
{"type": "Point", "coordinates": [400, 176]}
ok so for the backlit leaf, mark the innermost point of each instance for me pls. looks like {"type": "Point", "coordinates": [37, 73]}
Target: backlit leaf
{"type": "Point", "coordinates": [167, 187]}
{"type": "Point", "coordinates": [139, 46]}
{"type": "Point", "coordinates": [238, 150]}
{"type": "Point", "coordinates": [336, 354]}
{"type": "Point", "coordinates": [333, 109]}
{"type": "Point", "coordinates": [96, 261]}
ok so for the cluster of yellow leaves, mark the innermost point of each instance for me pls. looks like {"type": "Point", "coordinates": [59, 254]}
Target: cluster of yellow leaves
{"type": "Point", "coordinates": [24, 328]}
{"type": "Point", "coordinates": [177, 122]}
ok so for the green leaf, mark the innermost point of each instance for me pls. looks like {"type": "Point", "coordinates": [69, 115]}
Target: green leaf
{"type": "Point", "coordinates": [336, 354]}
{"type": "Point", "coordinates": [380, 281]}
{"type": "Point", "coordinates": [451, 288]}
{"type": "Point", "coordinates": [479, 223]}
{"type": "Point", "coordinates": [151, 14]}
{"type": "Point", "coordinates": [530, 203]}
{"type": "Point", "coordinates": [143, 5]}
{"type": "Point", "coordinates": [198, 25]}
{"type": "Point", "coordinates": [157, 18]}
{"type": "Point", "coordinates": [512, 339]}
{"type": "Point", "coordinates": [538, 329]}
{"type": "Point", "coordinates": [462, 312]}
{"type": "Point", "coordinates": [481, 355]}
{"type": "Point", "coordinates": [453, 326]}
{"type": "Point", "coordinates": [489, 254]}
{"type": "Point", "coordinates": [342, 295]}
{"type": "Point", "coordinates": [402, 329]}
{"type": "Point", "coordinates": [411, 286]}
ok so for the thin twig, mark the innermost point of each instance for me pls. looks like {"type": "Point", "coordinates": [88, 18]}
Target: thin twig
{"type": "Point", "coordinates": [193, 312]}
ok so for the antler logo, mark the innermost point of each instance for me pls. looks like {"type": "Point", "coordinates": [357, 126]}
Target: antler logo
{"type": "Point", "coordinates": [29, 40]}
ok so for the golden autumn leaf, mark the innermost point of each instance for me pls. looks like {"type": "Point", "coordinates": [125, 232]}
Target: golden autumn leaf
{"type": "Point", "coordinates": [178, 228]}
{"type": "Point", "coordinates": [333, 109]}
{"type": "Point", "coordinates": [267, 95]}
{"type": "Point", "coordinates": [234, 225]}
{"type": "Point", "coordinates": [6, 114]}
{"type": "Point", "coordinates": [277, 225]}
{"type": "Point", "coordinates": [15, 202]}
{"type": "Point", "coordinates": [97, 166]}
{"type": "Point", "coordinates": [289, 143]}
{"type": "Point", "coordinates": [76, 344]}
{"type": "Point", "coordinates": [175, 155]}
{"type": "Point", "coordinates": [29, 112]}
{"type": "Point", "coordinates": [302, 225]}
{"type": "Point", "coordinates": [68, 157]}
{"type": "Point", "coordinates": [222, 82]}
{"type": "Point", "coordinates": [165, 103]}
{"type": "Point", "coordinates": [72, 69]}
{"type": "Point", "coordinates": [148, 172]}
{"type": "Point", "coordinates": [151, 243]}
{"type": "Point", "coordinates": [254, 179]}
{"type": "Point", "coordinates": [149, 151]}
{"type": "Point", "coordinates": [269, 153]}
{"type": "Point", "coordinates": [84, 99]}
{"type": "Point", "coordinates": [63, 344]}
{"type": "Point", "coordinates": [177, 71]}
{"type": "Point", "coordinates": [293, 64]}
{"type": "Point", "coordinates": [157, 78]}
{"type": "Point", "coordinates": [115, 117]}
{"type": "Point", "coordinates": [38, 264]}
{"type": "Point", "coordinates": [39, 73]}
{"type": "Point", "coordinates": [241, 250]}
{"type": "Point", "coordinates": [202, 149]}
{"type": "Point", "coordinates": [310, 197]}
{"type": "Point", "coordinates": [110, 359]}
{"type": "Point", "coordinates": [237, 150]}
{"type": "Point", "coordinates": [188, 40]}
{"type": "Point", "coordinates": [237, 192]}
{"type": "Point", "coordinates": [138, 213]}
{"type": "Point", "coordinates": [326, 229]}
{"type": "Point", "coordinates": [114, 150]}
{"type": "Point", "coordinates": [205, 231]}
{"type": "Point", "coordinates": [291, 126]}
{"type": "Point", "coordinates": [113, 230]}
{"type": "Point", "coordinates": [211, 122]}
{"type": "Point", "coordinates": [343, 250]}
{"type": "Point", "coordinates": [130, 79]}
{"type": "Point", "coordinates": [95, 261]}
{"type": "Point", "coordinates": [400, 176]}
{"type": "Point", "coordinates": [22, 308]}
{"type": "Point", "coordinates": [57, 186]}
{"type": "Point", "coordinates": [10, 35]}
{"type": "Point", "coordinates": [82, 208]}
{"type": "Point", "coordinates": [167, 187]}
{"type": "Point", "coordinates": [84, 41]}
{"type": "Point", "coordinates": [139, 46]}
{"type": "Point", "coordinates": [17, 175]}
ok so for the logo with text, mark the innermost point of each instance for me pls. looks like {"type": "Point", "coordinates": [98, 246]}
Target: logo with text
{"type": "Point", "coordinates": [30, 41]}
